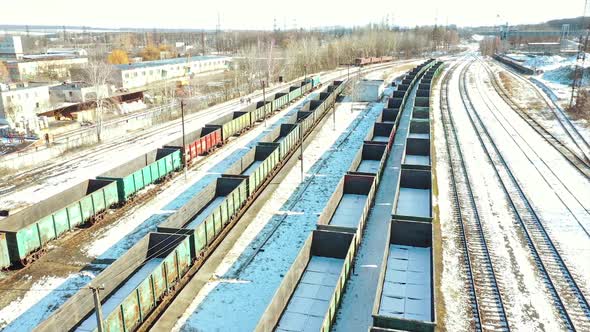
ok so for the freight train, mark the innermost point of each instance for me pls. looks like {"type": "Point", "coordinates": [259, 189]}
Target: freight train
{"type": "Point", "coordinates": [149, 273]}
{"type": "Point", "coordinates": [360, 62]}
{"type": "Point", "coordinates": [24, 235]}
{"type": "Point", "coordinates": [514, 64]}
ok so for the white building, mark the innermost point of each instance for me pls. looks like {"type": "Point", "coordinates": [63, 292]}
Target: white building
{"type": "Point", "coordinates": [140, 74]}
{"type": "Point", "coordinates": [76, 92]}
{"type": "Point", "coordinates": [57, 68]}
{"type": "Point", "coordinates": [20, 104]}
{"type": "Point", "coordinates": [78, 52]}
{"type": "Point", "coordinates": [11, 47]}
{"type": "Point", "coordinates": [369, 90]}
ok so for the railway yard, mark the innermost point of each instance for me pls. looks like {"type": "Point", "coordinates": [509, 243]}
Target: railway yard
{"type": "Point", "coordinates": [458, 201]}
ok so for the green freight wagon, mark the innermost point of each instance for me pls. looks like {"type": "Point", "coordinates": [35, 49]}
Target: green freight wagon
{"type": "Point", "coordinates": [256, 113]}
{"type": "Point", "coordinates": [133, 286]}
{"type": "Point", "coordinates": [264, 108]}
{"type": "Point", "coordinates": [315, 81]}
{"type": "Point", "coordinates": [142, 171]}
{"type": "Point", "coordinates": [294, 92]}
{"type": "Point", "coordinates": [305, 86]}
{"type": "Point", "coordinates": [206, 215]}
{"type": "Point", "coordinates": [232, 124]}
{"type": "Point", "coordinates": [30, 229]}
{"type": "Point", "coordinates": [305, 120]}
{"type": "Point", "coordinates": [4, 257]}
{"type": "Point", "coordinates": [288, 138]}
{"type": "Point", "coordinates": [280, 99]}
{"type": "Point", "coordinates": [256, 164]}
{"type": "Point", "coordinates": [286, 135]}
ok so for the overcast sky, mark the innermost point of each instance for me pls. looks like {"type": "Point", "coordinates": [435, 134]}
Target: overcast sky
{"type": "Point", "coordinates": [260, 14]}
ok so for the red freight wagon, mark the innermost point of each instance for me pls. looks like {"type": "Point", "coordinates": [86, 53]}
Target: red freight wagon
{"type": "Point", "coordinates": [198, 143]}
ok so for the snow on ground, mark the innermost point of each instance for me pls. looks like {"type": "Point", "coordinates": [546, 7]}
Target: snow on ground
{"type": "Point", "coordinates": [113, 241]}
{"type": "Point", "coordinates": [560, 95]}
{"type": "Point", "coordinates": [237, 300]}
{"type": "Point", "coordinates": [37, 303]}
{"type": "Point", "coordinates": [557, 192]}
{"type": "Point", "coordinates": [528, 305]}
{"type": "Point", "coordinates": [524, 92]}
{"type": "Point", "coordinates": [455, 300]}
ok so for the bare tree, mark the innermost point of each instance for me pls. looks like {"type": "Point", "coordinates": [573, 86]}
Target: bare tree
{"type": "Point", "coordinates": [98, 73]}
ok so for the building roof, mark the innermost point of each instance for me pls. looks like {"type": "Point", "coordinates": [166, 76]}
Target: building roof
{"type": "Point", "coordinates": [155, 63]}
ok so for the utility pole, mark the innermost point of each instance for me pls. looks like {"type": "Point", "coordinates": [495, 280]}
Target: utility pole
{"type": "Point", "coordinates": [183, 138]}
{"type": "Point", "coordinates": [264, 101]}
{"type": "Point", "coordinates": [97, 306]}
{"type": "Point", "coordinates": [334, 116]}
{"type": "Point", "coordinates": [301, 151]}
{"type": "Point", "coordinates": [581, 58]}
{"type": "Point", "coordinates": [348, 82]}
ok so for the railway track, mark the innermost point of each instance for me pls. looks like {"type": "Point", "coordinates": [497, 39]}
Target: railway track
{"type": "Point", "coordinates": [51, 170]}
{"type": "Point", "coordinates": [581, 162]}
{"type": "Point", "coordinates": [553, 180]}
{"type": "Point", "coordinates": [569, 301]}
{"type": "Point", "coordinates": [487, 302]}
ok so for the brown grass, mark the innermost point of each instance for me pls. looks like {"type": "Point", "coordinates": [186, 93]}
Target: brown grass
{"type": "Point", "coordinates": [437, 243]}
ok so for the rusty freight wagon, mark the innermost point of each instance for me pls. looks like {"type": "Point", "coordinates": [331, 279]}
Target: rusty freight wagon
{"type": "Point", "coordinates": [197, 143]}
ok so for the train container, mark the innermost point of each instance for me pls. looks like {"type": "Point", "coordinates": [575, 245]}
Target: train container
{"type": "Point", "coordinates": [328, 98]}
{"type": "Point", "coordinates": [417, 153]}
{"type": "Point", "coordinates": [197, 143]}
{"type": "Point", "coordinates": [386, 58]}
{"type": "Point", "coordinates": [403, 87]}
{"type": "Point", "coordinates": [305, 120]}
{"type": "Point", "coordinates": [294, 92]}
{"type": "Point", "coordinates": [317, 106]}
{"type": "Point", "coordinates": [399, 93]}
{"type": "Point", "coordinates": [422, 102]}
{"type": "Point", "coordinates": [413, 198]}
{"type": "Point", "coordinates": [336, 87]}
{"type": "Point", "coordinates": [408, 80]}
{"type": "Point", "coordinates": [405, 298]}
{"type": "Point", "coordinates": [256, 164]}
{"type": "Point", "coordinates": [4, 256]}
{"type": "Point", "coordinates": [419, 128]}
{"type": "Point", "coordinates": [206, 215]}
{"type": "Point", "coordinates": [362, 62]}
{"type": "Point", "coordinates": [316, 81]}
{"type": "Point", "coordinates": [395, 103]}
{"type": "Point", "coordinates": [286, 135]}
{"type": "Point", "coordinates": [142, 171]}
{"type": "Point", "coordinates": [421, 112]}
{"type": "Point", "coordinates": [370, 160]}
{"type": "Point", "coordinates": [514, 64]}
{"type": "Point", "coordinates": [390, 115]}
{"type": "Point", "coordinates": [280, 99]}
{"type": "Point", "coordinates": [348, 207]}
{"type": "Point", "coordinates": [30, 229]}
{"type": "Point", "coordinates": [257, 112]}
{"type": "Point", "coordinates": [310, 293]}
{"type": "Point", "coordinates": [133, 286]}
{"type": "Point", "coordinates": [381, 133]}
{"type": "Point", "coordinates": [232, 124]}
{"type": "Point", "coordinates": [424, 86]}
{"type": "Point", "coordinates": [306, 86]}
